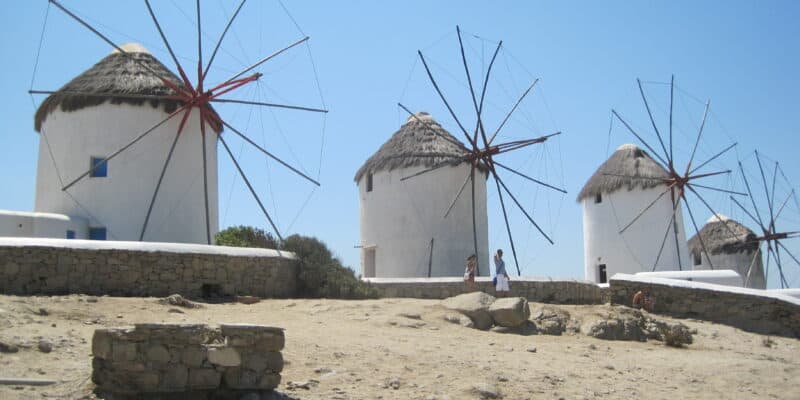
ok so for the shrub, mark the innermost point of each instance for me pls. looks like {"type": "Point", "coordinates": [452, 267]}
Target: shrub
{"type": "Point", "coordinates": [323, 275]}
{"type": "Point", "coordinates": [245, 236]}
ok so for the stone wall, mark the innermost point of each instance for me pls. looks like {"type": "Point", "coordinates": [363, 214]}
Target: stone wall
{"type": "Point", "coordinates": [748, 309]}
{"type": "Point", "coordinates": [194, 360]}
{"type": "Point", "coordinates": [536, 290]}
{"type": "Point", "coordinates": [59, 266]}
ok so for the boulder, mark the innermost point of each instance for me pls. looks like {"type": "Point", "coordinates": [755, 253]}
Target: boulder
{"type": "Point", "coordinates": [616, 329]}
{"type": "Point", "coordinates": [474, 305]}
{"type": "Point", "coordinates": [550, 320]}
{"type": "Point", "coordinates": [510, 312]}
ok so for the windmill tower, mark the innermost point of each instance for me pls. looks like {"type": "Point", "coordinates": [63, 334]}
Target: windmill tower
{"type": "Point", "coordinates": [739, 252]}
{"type": "Point", "coordinates": [622, 186]}
{"type": "Point", "coordinates": [100, 111]}
{"type": "Point", "coordinates": [403, 230]}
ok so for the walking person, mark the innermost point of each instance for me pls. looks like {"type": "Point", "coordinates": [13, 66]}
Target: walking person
{"type": "Point", "coordinates": [469, 272]}
{"type": "Point", "coordinates": [502, 287]}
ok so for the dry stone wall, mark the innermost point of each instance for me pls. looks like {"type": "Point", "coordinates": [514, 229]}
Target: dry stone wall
{"type": "Point", "coordinates": [535, 290]}
{"type": "Point", "coordinates": [37, 270]}
{"type": "Point", "coordinates": [191, 360]}
{"type": "Point", "coordinates": [747, 309]}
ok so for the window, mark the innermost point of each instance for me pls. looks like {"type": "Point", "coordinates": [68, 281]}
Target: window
{"type": "Point", "coordinates": [598, 198]}
{"type": "Point", "coordinates": [369, 182]}
{"type": "Point", "coordinates": [97, 233]}
{"type": "Point", "coordinates": [698, 258]}
{"type": "Point", "coordinates": [603, 274]}
{"type": "Point", "coordinates": [70, 234]}
{"type": "Point", "coordinates": [100, 167]}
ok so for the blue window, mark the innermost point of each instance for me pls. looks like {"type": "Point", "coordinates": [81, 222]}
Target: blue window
{"type": "Point", "coordinates": [100, 167]}
{"type": "Point", "coordinates": [97, 233]}
{"type": "Point", "coordinates": [70, 234]}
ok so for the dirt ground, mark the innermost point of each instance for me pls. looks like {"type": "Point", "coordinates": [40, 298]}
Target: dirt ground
{"type": "Point", "coordinates": [369, 350]}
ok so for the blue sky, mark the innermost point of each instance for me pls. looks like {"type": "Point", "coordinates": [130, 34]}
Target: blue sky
{"type": "Point", "coordinates": [742, 55]}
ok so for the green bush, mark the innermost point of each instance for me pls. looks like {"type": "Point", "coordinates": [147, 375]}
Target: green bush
{"type": "Point", "coordinates": [320, 274]}
{"type": "Point", "coordinates": [245, 236]}
{"type": "Point", "coordinates": [323, 275]}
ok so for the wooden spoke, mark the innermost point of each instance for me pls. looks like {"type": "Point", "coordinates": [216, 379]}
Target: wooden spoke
{"type": "Point", "coordinates": [780, 210]}
{"type": "Point", "coordinates": [123, 148]}
{"type": "Point", "coordinates": [750, 194]}
{"type": "Point", "coordinates": [259, 103]}
{"type": "Point", "coordinates": [522, 209]}
{"type": "Point", "coordinates": [671, 97]}
{"type": "Point", "coordinates": [746, 212]}
{"type": "Point", "coordinates": [483, 95]}
{"type": "Point", "coordinates": [644, 210]}
{"type": "Point", "coordinates": [712, 158]}
{"type": "Point", "coordinates": [461, 190]}
{"type": "Point", "coordinates": [630, 129]}
{"type": "Point", "coordinates": [528, 177]}
{"type": "Point", "coordinates": [716, 215]}
{"type": "Point", "coordinates": [219, 42]}
{"type": "Point", "coordinates": [166, 43]}
{"type": "Point", "coordinates": [666, 233]}
{"type": "Point", "coordinates": [427, 127]}
{"type": "Point", "coordinates": [784, 283]}
{"type": "Point", "coordinates": [270, 155]}
{"type": "Point", "coordinates": [699, 236]}
{"type": "Point", "coordinates": [249, 186]}
{"type": "Point", "coordinates": [766, 189]}
{"type": "Point", "coordinates": [653, 122]}
{"type": "Point", "coordinates": [444, 100]}
{"type": "Point", "coordinates": [719, 190]}
{"type": "Point", "coordinates": [163, 172]}
{"type": "Point", "coordinates": [699, 134]}
{"type": "Point", "coordinates": [433, 168]}
{"type": "Point", "coordinates": [265, 59]}
{"type": "Point", "coordinates": [508, 226]}
{"type": "Point", "coordinates": [512, 110]}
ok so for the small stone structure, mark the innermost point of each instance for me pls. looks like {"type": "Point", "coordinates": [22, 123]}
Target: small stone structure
{"type": "Point", "coordinates": [540, 290]}
{"type": "Point", "coordinates": [752, 310]}
{"type": "Point", "coordinates": [59, 266]}
{"type": "Point", "coordinates": [193, 360]}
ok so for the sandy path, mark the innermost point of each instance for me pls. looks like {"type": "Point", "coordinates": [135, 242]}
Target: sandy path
{"type": "Point", "coordinates": [368, 350]}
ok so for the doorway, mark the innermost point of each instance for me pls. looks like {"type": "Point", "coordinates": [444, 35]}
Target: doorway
{"type": "Point", "coordinates": [602, 273]}
{"type": "Point", "coordinates": [369, 262]}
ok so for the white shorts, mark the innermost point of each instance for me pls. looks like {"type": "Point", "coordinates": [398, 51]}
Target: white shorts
{"type": "Point", "coordinates": [502, 284]}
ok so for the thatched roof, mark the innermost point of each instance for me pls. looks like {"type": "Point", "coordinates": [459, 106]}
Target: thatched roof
{"type": "Point", "coordinates": [719, 239]}
{"type": "Point", "coordinates": [421, 141]}
{"type": "Point", "coordinates": [111, 79]}
{"type": "Point", "coordinates": [619, 170]}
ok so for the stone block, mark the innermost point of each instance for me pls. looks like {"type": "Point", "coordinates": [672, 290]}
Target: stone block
{"type": "Point", "coordinates": [146, 381]}
{"type": "Point", "coordinates": [101, 344]}
{"type": "Point", "coordinates": [175, 378]}
{"type": "Point", "coordinates": [158, 354]}
{"type": "Point", "coordinates": [264, 361]}
{"type": "Point", "coordinates": [269, 381]}
{"type": "Point", "coordinates": [224, 356]}
{"type": "Point", "coordinates": [121, 351]}
{"type": "Point", "coordinates": [11, 268]}
{"type": "Point", "coordinates": [204, 378]}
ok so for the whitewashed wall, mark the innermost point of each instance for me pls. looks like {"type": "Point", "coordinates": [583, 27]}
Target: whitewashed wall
{"type": "Point", "coordinates": [636, 249]}
{"type": "Point", "coordinates": [739, 262]}
{"type": "Point", "coordinates": [42, 225]}
{"type": "Point", "coordinates": [399, 218]}
{"type": "Point", "coordinates": [119, 201]}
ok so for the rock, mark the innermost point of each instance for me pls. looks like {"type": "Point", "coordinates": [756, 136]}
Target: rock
{"type": "Point", "coordinates": [176, 311]}
{"type": "Point", "coordinates": [550, 320]}
{"type": "Point", "coordinates": [460, 319]}
{"type": "Point", "coordinates": [45, 346]}
{"type": "Point", "coordinates": [616, 329]}
{"type": "Point", "coordinates": [410, 315]}
{"type": "Point", "coordinates": [510, 312]}
{"type": "Point", "coordinates": [474, 305]}
{"type": "Point", "coordinates": [8, 347]}
{"type": "Point", "coordinates": [225, 356]}
{"type": "Point", "coordinates": [42, 312]}
{"type": "Point", "coordinates": [531, 349]}
{"type": "Point", "coordinates": [178, 300]}
{"type": "Point", "coordinates": [486, 391]}
{"type": "Point", "coordinates": [676, 335]}
{"type": "Point", "coordinates": [393, 383]}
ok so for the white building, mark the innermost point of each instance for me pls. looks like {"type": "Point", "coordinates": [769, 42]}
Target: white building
{"type": "Point", "coordinates": [611, 199]}
{"type": "Point", "coordinates": [734, 247]}
{"type": "Point", "coordinates": [94, 115]}
{"type": "Point", "coordinates": [404, 231]}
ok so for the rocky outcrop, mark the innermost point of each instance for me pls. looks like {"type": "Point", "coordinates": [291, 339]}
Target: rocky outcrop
{"type": "Point", "coordinates": [474, 305]}
{"type": "Point", "coordinates": [510, 312]}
